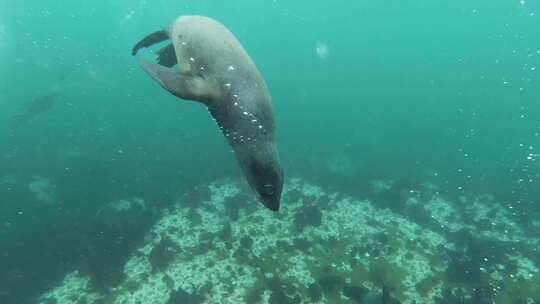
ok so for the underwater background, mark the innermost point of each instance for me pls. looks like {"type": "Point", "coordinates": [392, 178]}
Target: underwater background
{"type": "Point", "coordinates": [421, 113]}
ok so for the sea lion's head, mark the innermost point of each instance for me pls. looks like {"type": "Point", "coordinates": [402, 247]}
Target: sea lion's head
{"type": "Point", "coordinates": [266, 178]}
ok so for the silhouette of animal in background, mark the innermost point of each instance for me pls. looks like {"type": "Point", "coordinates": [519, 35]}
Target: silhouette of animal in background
{"type": "Point", "coordinates": [36, 106]}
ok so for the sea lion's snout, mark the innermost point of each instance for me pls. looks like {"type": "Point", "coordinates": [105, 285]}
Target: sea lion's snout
{"type": "Point", "coordinates": [270, 194]}
{"type": "Point", "coordinates": [267, 181]}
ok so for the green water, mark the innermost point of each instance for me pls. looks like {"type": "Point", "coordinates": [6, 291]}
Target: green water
{"type": "Point", "coordinates": [446, 92]}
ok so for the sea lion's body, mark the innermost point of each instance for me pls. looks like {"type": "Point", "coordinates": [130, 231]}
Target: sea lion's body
{"type": "Point", "coordinates": [215, 70]}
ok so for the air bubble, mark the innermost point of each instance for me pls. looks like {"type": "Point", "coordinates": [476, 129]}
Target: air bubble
{"type": "Point", "coordinates": [322, 49]}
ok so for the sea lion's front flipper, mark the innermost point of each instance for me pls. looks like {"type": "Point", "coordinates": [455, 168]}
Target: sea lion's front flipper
{"type": "Point", "coordinates": [180, 85]}
{"type": "Point", "coordinates": [155, 37]}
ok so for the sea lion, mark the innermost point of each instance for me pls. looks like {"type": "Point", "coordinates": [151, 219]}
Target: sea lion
{"type": "Point", "coordinates": [215, 70]}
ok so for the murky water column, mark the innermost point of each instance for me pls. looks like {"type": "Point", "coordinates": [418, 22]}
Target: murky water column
{"type": "Point", "coordinates": [4, 45]}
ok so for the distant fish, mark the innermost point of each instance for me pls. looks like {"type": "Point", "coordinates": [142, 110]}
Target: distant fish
{"type": "Point", "coordinates": [34, 107]}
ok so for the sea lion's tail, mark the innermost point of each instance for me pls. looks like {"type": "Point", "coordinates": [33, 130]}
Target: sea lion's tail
{"type": "Point", "coordinates": [151, 39]}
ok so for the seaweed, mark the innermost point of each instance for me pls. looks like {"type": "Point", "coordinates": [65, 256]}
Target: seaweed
{"type": "Point", "coordinates": [281, 292]}
{"type": "Point", "coordinates": [314, 292]}
{"type": "Point", "coordinates": [180, 296]}
{"type": "Point", "coordinates": [50, 301]}
{"type": "Point", "coordinates": [225, 234]}
{"type": "Point", "coordinates": [463, 270]}
{"type": "Point", "coordinates": [254, 296]}
{"type": "Point", "coordinates": [285, 246]}
{"type": "Point", "coordinates": [246, 242]}
{"type": "Point", "coordinates": [131, 285]}
{"type": "Point", "coordinates": [354, 293]}
{"type": "Point", "coordinates": [301, 244]}
{"type": "Point", "coordinates": [307, 216]}
{"type": "Point", "coordinates": [194, 216]}
{"type": "Point", "coordinates": [450, 296]}
{"type": "Point", "coordinates": [484, 295]}
{"type": "Point", "coordinates": [168, 281]}
{"type": "Point", "coordinates": [395, 197]}
{"type": "Point", "coordinates": [331, 284]}
{"type": "Point", "coordinates": [232, 210]}
{"type": "Point", "coordinates": [162, 254]}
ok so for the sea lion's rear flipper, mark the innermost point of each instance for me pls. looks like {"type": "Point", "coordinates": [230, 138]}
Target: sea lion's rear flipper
{"type": "Point", "coordinates": [149, 40]}
{"type": "Point", "coordinates": [180, 85]}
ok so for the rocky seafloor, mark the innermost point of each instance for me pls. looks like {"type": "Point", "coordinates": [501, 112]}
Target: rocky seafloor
{"type": "Point", "coordinates": [218, 245]}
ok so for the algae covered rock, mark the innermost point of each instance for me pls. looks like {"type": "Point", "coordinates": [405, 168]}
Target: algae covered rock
{"type": "Point", "coordinates": [324, 247]}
